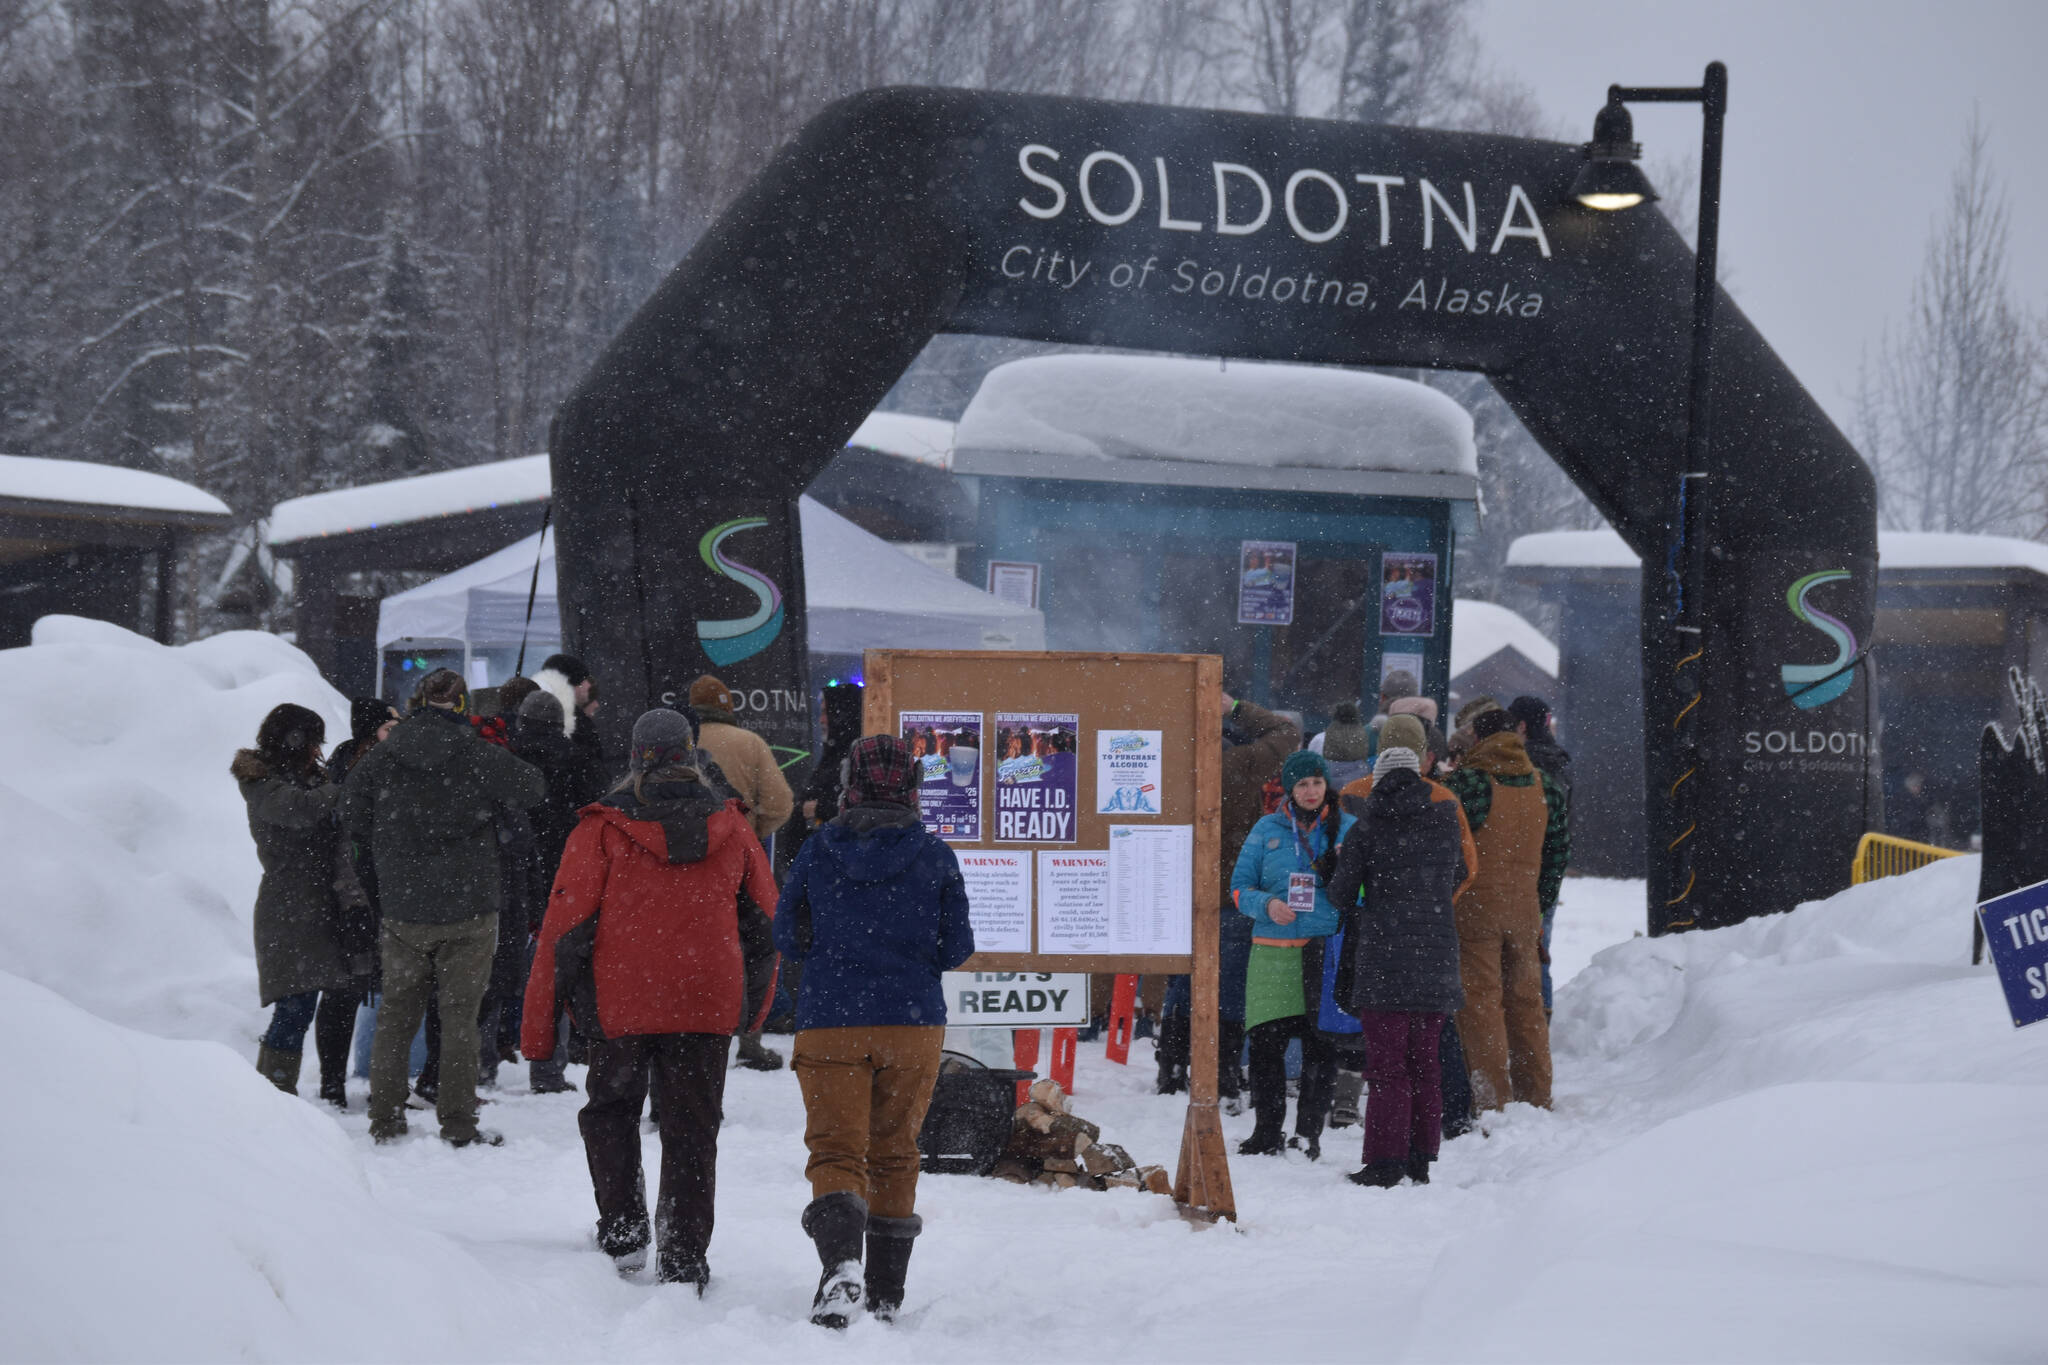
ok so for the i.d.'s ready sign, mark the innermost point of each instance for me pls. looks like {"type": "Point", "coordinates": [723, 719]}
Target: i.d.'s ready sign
{"type": "Point", "coordinates": [1016, 999]}
{"type": "Point", "coordinates": [2016, 930]}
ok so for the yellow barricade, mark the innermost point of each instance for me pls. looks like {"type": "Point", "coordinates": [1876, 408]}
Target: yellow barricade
{"type": "Point", "coordinates": [1881, 855]}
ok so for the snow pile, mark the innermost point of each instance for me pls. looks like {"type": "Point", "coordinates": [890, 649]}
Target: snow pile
{"type": "Point", "coordinates": [101, 485]}
{"type": "Point", "coordinates": [1828, 1150]}
{"type": "Point", "coordinates": [1127, 407]}
{"type": "Point", "coordinates": [167, 1204]}
{"type": "Point", "coordinates": [921, 440]}
{"type": "Point", "coordinates": [130, 872]}
{"type": "Point", "coordinates": [1479, 630]}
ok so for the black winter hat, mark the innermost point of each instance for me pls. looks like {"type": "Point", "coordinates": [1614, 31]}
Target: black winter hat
{"type": "Point", "coordinates": [569, 666]}
{"type": "Point", "coordinates": [366, 715]}
{"type": "Point", "coordinates": [1533, 712]}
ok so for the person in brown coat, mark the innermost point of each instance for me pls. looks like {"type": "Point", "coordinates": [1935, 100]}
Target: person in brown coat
{"type": "Point", "coordinates": [1519, 820]}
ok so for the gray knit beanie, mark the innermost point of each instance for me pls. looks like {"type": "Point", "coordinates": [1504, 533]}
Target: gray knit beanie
{"type": "Point", "coordinates": [661, 739]}
{"type": "Point", "coordinates": [541, 707]}
{"type": "Point", "coordinates": [1396, 759]}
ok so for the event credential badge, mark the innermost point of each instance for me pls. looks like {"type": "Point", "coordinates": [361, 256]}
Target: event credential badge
{"type": "Point", "coordinates": [1037, 773]}
{"type": "Point", "coordinates": [1128, 764]}
{"type": "Point", "coordinates": [946, 746]}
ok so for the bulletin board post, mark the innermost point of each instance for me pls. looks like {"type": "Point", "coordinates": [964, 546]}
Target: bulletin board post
{"type": "Point", "coordinates": [1056, 734]}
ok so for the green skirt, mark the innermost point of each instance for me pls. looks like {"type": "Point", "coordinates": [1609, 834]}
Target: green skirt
{"type": "Point", "coordinates": [1272, 985]}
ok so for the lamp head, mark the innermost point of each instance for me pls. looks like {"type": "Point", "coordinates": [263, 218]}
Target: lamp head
{"type": "Point", "coordinates": [1610, 179]}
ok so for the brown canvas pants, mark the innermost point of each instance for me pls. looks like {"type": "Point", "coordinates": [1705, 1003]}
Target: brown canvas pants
{"type": "Point", "coordinates": [1506, 1036]}
{"type": "Point", "coordinates": [865, 1095]}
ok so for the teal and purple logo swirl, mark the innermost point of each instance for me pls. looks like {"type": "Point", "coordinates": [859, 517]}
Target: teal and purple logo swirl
{"type": "Point", "coordinates": [1804, 682]}
{"type": "Point", "coordinates": [743, 636]}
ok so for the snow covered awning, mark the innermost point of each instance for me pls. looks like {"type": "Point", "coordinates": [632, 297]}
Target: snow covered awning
{"type": "Point", "coordinates": [1210, 423]}
{"type": "Point", "coordinates": [423, 497]}
{"type": "Point", "coordinates": [1930, 551]}
{"type": "Point", "coordinates": [923, 440]}
{"type": "Point", "coordinates": [76, 489]}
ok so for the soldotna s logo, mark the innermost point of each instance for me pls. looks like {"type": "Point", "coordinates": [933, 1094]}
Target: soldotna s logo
{"type": "Point", "coordinates": [741, 637]}
{"type": "Point", "coordinates": [1811, 685]}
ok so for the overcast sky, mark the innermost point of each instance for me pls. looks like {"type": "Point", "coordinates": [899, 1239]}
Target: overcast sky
{"type": "Point", "coordinates": [1845, 120]}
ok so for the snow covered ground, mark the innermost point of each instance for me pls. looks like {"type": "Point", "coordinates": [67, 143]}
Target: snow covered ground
{"type": "Point", "coordinates": [1811, 1137]}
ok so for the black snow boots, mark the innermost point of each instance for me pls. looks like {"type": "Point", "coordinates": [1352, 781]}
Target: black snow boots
{"type": "Point", "coordinates": [838, 1223]}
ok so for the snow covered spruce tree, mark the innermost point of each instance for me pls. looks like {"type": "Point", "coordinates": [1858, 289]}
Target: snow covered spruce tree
{"type": "Point", "coordinates": [1953, 411]}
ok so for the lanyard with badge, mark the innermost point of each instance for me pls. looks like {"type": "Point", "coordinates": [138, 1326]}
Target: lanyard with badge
{"type": "Point", "coordinates": [1301, 886]}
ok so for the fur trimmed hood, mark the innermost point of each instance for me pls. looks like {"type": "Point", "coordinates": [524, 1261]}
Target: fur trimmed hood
{"type": "Point", "coordinates": [557, 685]}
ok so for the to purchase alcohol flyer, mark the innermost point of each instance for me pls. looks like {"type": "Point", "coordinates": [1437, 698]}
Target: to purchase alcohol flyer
{"type": "Point", "coordinates": [998, 898]}
{"type": "Point", "coordinates": [946, 746]}
{"type": "Point", "coordinates": [1037, 771]}
{"type": "Point", "coordinates": [1128, 764]}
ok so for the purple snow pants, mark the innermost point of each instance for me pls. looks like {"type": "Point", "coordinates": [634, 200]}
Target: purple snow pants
{"type": "Point", "coordinates": [1404, 1107]}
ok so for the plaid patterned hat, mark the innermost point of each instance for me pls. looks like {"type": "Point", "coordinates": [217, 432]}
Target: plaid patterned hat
{"type": "Point", "coordinates": [880, 768]}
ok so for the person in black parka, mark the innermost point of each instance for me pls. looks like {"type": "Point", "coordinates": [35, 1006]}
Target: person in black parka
{"type": "Point", "coordinates": [302, 965]}
{"type": "Point", "coordinates": [1396, 876]}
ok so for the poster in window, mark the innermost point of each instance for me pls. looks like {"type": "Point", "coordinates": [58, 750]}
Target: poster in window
{"type": "Point", "coordinates": [1407, 594]}
{"type": "Point", "coordinates": [1265, 583]}
{"type": "Point", "coordinates": [946, 747]}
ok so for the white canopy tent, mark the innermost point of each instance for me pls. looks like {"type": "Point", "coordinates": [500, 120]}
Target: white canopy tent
{"type": "Point", "coordinates": [860, 593]}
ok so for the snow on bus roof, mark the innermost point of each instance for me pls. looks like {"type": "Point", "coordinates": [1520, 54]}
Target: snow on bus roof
{"type": "Point", "coordinates": [1605, 549]}
{"type": "Point", "coordinates": [1211, 412]}
{"type": "Point", "coordinates": [34, 479]}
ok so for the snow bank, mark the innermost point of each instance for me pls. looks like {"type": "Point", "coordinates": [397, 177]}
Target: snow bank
{"type": "Point", "coordinates": [1479, 630]}
{"type": "Point", "coordinates": [101, 485]}
{"type": "Point", "coordinates": [1169, 408]}
{"type": "Point", "coordinates": [1812, 1136]}
{"type": "Point", "coordinates": [165, 1203]}
{"type": "Point", "coordinates": [131, 874]}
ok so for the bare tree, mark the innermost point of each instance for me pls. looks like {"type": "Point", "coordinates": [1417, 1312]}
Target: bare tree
{"type": "Point", "coordinates": [1953, 412]}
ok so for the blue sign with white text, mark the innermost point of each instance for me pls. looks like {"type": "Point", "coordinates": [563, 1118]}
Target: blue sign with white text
{"type": "Point", "coordinates": [2016, 930]}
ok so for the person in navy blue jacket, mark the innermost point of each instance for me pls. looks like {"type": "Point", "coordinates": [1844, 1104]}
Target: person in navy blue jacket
{"type": "Point", "coordinates": [875, 909]}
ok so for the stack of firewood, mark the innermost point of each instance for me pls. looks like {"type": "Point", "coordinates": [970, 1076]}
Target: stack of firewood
{"type": "Point", "coordinates": [1051, 1145]}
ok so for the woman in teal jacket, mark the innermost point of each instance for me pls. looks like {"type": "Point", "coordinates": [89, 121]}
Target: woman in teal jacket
{"type": "Point", "coordinates": [1281, 872]}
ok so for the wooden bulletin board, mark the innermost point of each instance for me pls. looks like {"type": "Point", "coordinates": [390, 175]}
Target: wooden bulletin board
{"type": "Point", "coordinates": [1179, 695]}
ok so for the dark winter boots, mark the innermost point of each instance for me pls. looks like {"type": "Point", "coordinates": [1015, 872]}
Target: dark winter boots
{"type": "Point", "coordinates": [889, 1243]}
{"type": "Point", "coordinates": [281, 1069]}
{"type": "Point", "coordinates": [1175, 1040]}
{"type": "Point", "coordinates": [838, 1223]}
{"type": "Point", "coordinates": [756, 1056]}
{"type": "Point", "coordinates": [1383, 1175]}
{"type": "Point", "coordinates": [1345, 1092]}
{"type": "Point", "coordinates": [1418, 1168]}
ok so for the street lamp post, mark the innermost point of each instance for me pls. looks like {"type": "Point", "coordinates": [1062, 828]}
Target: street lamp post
{"type": "Point", "coordinates": [1610, 180]}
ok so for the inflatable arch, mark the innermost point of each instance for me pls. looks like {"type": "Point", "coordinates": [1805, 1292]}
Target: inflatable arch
{"type": "Point", "coordinates": [897, 214]}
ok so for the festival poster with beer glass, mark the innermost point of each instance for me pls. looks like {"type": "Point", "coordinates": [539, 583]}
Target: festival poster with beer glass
{"type": "Point", "coordinates": [1037, 765]}
{"type": "Point", "coordinates": [946, 746]}
{"type": "Point", "coordinates": [1407, 594]}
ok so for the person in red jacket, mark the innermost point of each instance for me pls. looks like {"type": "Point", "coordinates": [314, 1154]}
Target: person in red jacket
{"type": "Point", "coordinates": [658, 940]}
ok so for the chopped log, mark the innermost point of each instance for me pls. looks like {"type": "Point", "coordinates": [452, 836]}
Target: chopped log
{"type": "Point", "coordinates": [1122, 1180]}
{"type": "Point", "coordinates": [1156, 1180]}
{"type": "Point", "coordinates": [1071, 1124]}
{"type": "Point", "coordinates": [1050, 1095]}
{"type": "Point", "coordinates": [1026, 1145]}
{"type": "Point", "coordinates": [1062, 1165]}
{"type": "Point", "coordinates": [1015, 1171]}
{"type": "Point", "coordinates": [1035, 1116]}
{"type": "Point", "coordinates": [1106, 1158]}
